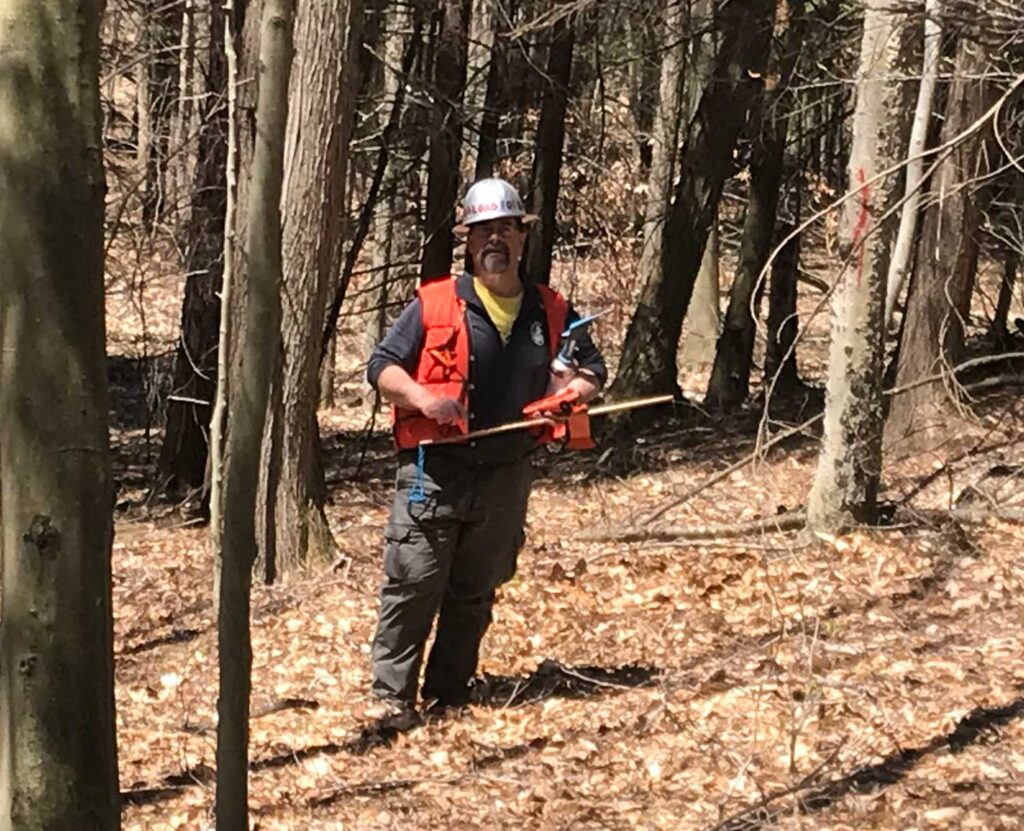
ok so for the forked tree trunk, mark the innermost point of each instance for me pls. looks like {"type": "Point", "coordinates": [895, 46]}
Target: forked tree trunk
{"type": "Point", "coordinates": [648, 363]}
{"type": "Point", "coordinates": [445, 139]}
{"type": "Point", "coordinates": [547, 160]}
{"type": "Point", "coordinates": [58, 755]}
{"type": "Point", "coordinates": [730, 377]}
{"type": "Point", "coordinates": [323, 87]}
{"type": "Point", "coordinates": [940, 293]}
{"type": "Point", "coordinates": [247, 415]}
{"type": "Point", "coordinates": [849, 464]}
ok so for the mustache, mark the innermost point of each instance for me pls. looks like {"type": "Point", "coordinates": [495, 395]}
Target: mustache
{"type": "Point", "coordinates": [496, 248]}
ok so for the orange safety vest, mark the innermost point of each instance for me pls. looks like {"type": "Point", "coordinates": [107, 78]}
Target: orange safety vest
{"type": "Point", "coordinates": [443, 366]}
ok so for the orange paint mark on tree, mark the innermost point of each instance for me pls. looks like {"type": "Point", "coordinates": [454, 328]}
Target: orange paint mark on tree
{"type": "Point", "coordinates": [860, 230]}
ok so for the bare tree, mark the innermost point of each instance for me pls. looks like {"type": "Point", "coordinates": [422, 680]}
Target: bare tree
{"type": "Point", "coordinates": [648, 362]}
{"type": "Point", "coordinates": [182, 465]}
{"type": "Point", "coordinates": [849, 465]}
{"type": "Point", "coordinates": [940, 292]}
{"type": "Point", "coordinates": [904, 245]}
{"type": "Point", "coordinates": [58, 755]}
{"type": "Point", "coordinates": [446, 137]}
{"type": "Point", "coordinates": [247, 411]}
{"type": "Point", "coordinates": [730, 377]}
{"type": "Point", "coordinates": [542, 198]}
{"type": "Point", "coordinates": [320, 124]}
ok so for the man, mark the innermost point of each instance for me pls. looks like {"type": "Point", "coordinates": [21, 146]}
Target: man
{"type": "Point", "coordinates": [468, 353]}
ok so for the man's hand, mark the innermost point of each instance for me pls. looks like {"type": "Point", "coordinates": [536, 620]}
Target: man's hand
{"type": "Point", "coordinates": [398, 387]}
{"type": "Point", "coordinates": [444, 410]}
{"type": "Point", "coordinates": [582, 382]}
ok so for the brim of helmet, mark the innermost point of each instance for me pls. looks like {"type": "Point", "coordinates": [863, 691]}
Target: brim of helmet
{"type": "Point", "coordinates": [462, 229]}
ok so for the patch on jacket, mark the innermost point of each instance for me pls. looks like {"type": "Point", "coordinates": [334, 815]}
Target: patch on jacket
{"type": "Point", "coordinates": [537, 333]}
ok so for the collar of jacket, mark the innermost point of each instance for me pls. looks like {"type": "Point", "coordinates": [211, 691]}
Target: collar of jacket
{"type": "Point", "coordinates": [466, 291]}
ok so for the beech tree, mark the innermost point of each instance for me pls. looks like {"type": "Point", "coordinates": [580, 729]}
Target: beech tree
{"type": "Point", "coordinates": [58, 757]}
{"type": "Point", "coordinates": [849, 465]}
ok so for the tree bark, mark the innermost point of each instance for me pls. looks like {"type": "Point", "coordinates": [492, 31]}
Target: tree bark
{"type": "Point", "coordinates": [730, 377]}
{"type": "Point", "coordinates": [700, 328]}
{"type": "Point", "coordinates": [542, 199]}
{"type": "Point", "coordinates": [999, 332]}
{"type": "Point", "coordinates": [445, 139]}
{"type": "Point", "coordinates": [182, 465]}
{"type": "Point", "coordinates": [247, 415]}
{"type": "Point", "coordinates": [58, 754]}
{"type": "Point", "coordinates": [161, 32]}
{"type": "Point", "coordinates": [665, 135]}
{"type": "Point", "coordinates": [781, 379]}
{"type": "Point", "coordinates": [218, 422]}
{"type": "Point", "coordinates": [648, 363]}
{"type": "Point", "coordinates": [940, 293]}
{"type": "Point", "coordinates": [323, 87]}
{"type": "Point", "coordinates": [849, 464]}
{"type": "Point", "coordinates": [903, 248]}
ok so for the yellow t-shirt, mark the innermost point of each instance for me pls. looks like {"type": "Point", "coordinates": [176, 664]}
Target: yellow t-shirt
{"type": "Point", "coordinates": [503, 311]}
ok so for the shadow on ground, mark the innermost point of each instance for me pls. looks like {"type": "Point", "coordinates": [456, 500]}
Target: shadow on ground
{"type": "Point", "coordinates": [979, 726]}
{"type": "Point", "coordinates": [550, 680]}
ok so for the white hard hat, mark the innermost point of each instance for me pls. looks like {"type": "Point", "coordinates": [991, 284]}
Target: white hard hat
{"type": "Point", "coordinates": [491, 199]}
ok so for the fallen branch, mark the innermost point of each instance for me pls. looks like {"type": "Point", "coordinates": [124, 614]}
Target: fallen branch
{"type": "Point", "coordinates": [789, 521]}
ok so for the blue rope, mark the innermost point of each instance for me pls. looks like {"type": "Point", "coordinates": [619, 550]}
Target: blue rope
{"type": "Point", "coordinates": [416, 492]}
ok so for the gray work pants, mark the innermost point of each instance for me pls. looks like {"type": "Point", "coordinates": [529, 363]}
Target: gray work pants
{"type": "Point", "coordinates": [447, 555]}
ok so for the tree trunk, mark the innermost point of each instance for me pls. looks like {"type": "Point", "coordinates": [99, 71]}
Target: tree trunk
{"type": "Point", "coordinates": [187, 117]}
{"type": "Point", "coordinates": [780, 374]}
{"type": "Point", "coordinates": [648, 363]}
{"type": "Point", "coordinates": [497, 95]}
{"type": "Point", "coordinates": [480, 50]}
{"type": "Point", "coordinates": [700, 329]}
{"type": "Point", "coordinates": [542, 199]}
{"type": "Point", "coordinates": [940, 292]}
{"type": "Point", "coordinates": [320, 126]}
{"type": "Point", "coordinates": [157, 99]}
{"type": "Point", "coordinates": [218, 422]}
{"type": "Point", "coordinates": [999, 332]}
{"type": "Point", "coordinates": [182, 465]}
{"type": "Point", "coordinates": [644, 75]}
{"type": "Point", "coordinates": [247, 415]}
{"type": "Point", "coordinates": [849, 465]}
{"type": "Point", "coordinates": [665, 135]}
{"type": "Point", "coordinates": [730, 377]}
{"type": "Point", "coordinates": [395, 248]}
{"type": "Point", "coordinates": [445, 139]}
{"type": "Point", "coordinates": [58, 754]}
{"type": "Point", "coordinates": [904, 246]}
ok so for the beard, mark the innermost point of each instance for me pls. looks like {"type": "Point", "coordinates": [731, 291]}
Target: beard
{"type": "Point", "coordinates": [495, 259]}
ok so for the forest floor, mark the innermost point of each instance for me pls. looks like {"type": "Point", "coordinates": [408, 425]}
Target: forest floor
{"type": "Point", "coordinates": [874, 681]}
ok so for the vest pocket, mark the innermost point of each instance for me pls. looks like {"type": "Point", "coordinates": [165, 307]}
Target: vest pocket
{"type": "Point", "coordinates": [440, 358]}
